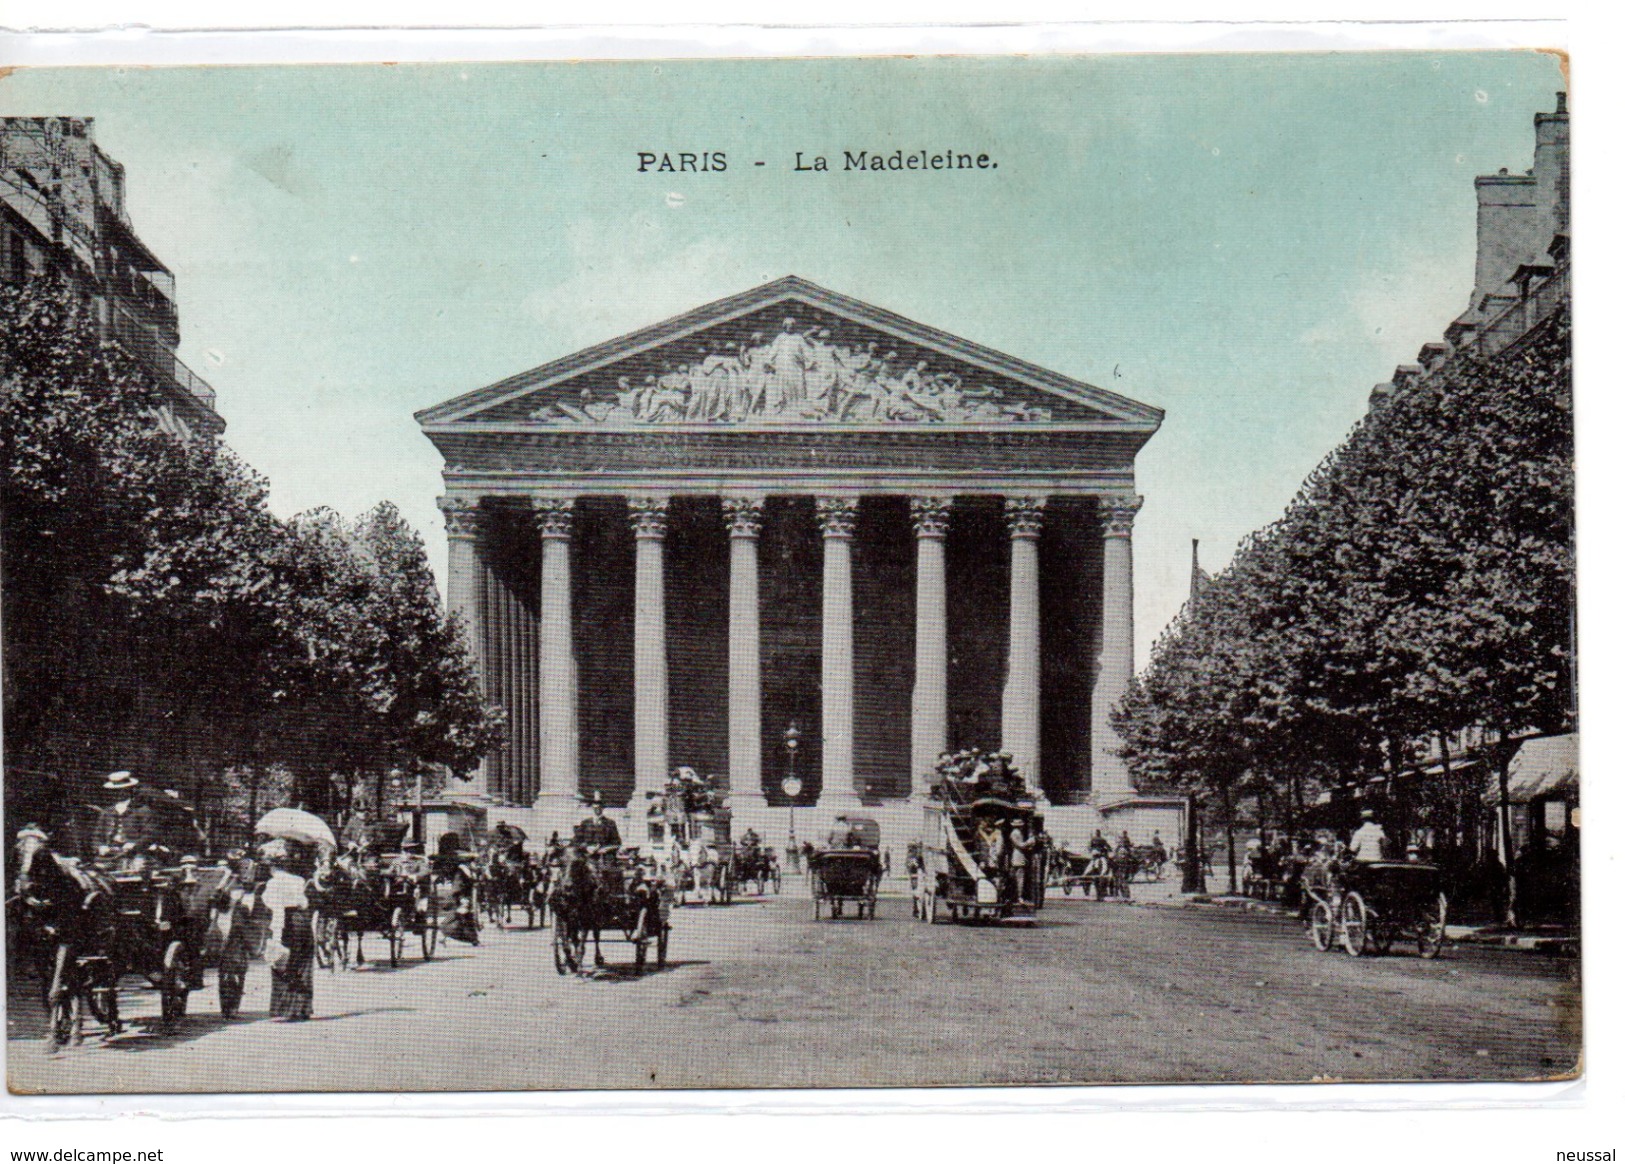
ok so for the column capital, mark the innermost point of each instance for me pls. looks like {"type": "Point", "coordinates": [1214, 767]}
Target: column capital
{"type": "Point", "coordinates": [1024, 516]}
{"type": "Point", "coordinates": [1117, 514]}
{"type": "Point", "coordinates": [930, 516]}
{"type": "Point", "coordinates": [744, 515]}
{"type": "Point", "coordinates": [837, 516]}
{"type": "Point", "coordinates": [553, 515]}
{"type": "Point", "coordinates": [462, 515]}
{"type": "Point", "coordinates": [647, 516]}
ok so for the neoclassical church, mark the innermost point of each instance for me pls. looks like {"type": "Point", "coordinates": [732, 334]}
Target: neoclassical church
{"type": "Point", "coordinates": [792, 518]}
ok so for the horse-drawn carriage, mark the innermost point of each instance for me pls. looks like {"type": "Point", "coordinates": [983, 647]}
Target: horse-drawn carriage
{"type": "Point", "coordinates": [843, 877]}
{"type": "Point", "coordinates": [616, 890]}
{"type": "Point", "coordinates": [702, 859]}
{"type": "Point", "coordinates": [984, 853]}
{"type": "Point", "coordinates": [511, 879]}
{"type": "Point", "coordinates": [375, 890]}
{"type": "Point", "coordinates": [162, 931]}
{"type": "Point", "coordinates": [90, 927]}
{"type": "Point", "coordinates": [757, 864]}
{"type": "Point", "coordinates": [1087, 872]}
{"type": "Point", "coordinates": [1367, 907]}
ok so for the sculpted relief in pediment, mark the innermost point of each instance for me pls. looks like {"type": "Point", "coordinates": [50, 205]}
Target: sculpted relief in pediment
{"type": "Point", "coordinates": [799, 375]}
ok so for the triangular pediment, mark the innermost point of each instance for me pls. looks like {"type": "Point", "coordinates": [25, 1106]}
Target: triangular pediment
{"type": "Point", "coordinates": [788, 354]}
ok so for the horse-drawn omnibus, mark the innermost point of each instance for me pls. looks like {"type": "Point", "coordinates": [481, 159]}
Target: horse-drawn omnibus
{"type": "Point", "coordinates": [983, 852]}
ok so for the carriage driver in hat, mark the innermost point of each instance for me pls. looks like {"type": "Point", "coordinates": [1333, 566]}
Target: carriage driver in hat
{"type": "Point", "coordinates": [598, 832]}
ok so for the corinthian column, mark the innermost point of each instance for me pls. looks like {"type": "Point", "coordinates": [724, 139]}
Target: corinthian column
{"type": "Point", "coordinates": [1024, 517]}
{"type": "Point", "coordinates": [649, 699]}
{"type": "Point", "coordinates": [744, 517]}
{"type": "Point", "coordinates": [463, 586]}
{"type": "Point", "coordinates": [837, 518]}
{"type": "Point", "coordinates": [928, 732]}
{"type": "Point", "coordinates": [1109, 776]}
{"type": "Point", "coordinates": [560, 769]}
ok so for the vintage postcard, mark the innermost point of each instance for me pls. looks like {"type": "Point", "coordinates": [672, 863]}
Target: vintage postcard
{"type": "Point", "coordinates": [788, 573]}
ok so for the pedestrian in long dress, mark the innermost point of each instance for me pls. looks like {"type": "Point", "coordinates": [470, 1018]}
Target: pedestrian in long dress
{"type": "Point", "coordinates": [290, 947]}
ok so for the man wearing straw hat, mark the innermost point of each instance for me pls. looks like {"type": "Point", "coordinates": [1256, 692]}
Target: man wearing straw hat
{"type": "Point", "coordinates": [143, 822]}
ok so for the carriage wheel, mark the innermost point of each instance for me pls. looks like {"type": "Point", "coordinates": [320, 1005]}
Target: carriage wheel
{"type": "Point", "coordinates": [778, 880]}
{"type": "Point", "coordinates": [396, 935]}
{"type": "Point", "coordinates": [1430, 938]}
{"type": "Point", "coordinates": [1356, 925]}
{"type": "Point", "coordinates": [63, 998]}
{"type": "Point", "coordinates": [173, 990]}
{"type": "Point", "coordinates": [564, 960]}
{"type": "Point", "coordinates": [231, 993]}
{"type": "Point", "coordinates": [1320, 926]}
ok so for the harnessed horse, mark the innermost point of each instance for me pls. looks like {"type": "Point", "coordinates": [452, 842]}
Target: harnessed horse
{"type": "Point", "coordinates": [68, 922]}
{"type": "Point", "coordinates": [576, 896]}
{"type": "Point", "coordinates": [508, 878]}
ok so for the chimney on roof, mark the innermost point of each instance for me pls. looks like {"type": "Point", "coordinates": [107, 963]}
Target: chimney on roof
{"type": "Point", "coordinates": [1551, 171]}
{"type": "Point", "coordinates": [1519, 213]}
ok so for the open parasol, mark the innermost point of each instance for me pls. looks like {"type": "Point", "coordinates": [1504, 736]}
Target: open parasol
{"type": "Point", "coordinates": [295, 824]}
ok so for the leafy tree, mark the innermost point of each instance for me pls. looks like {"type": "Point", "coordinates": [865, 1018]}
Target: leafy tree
{"type": "Point", "coordinates": [1421, 582]}
{"type": "Point", "coordinates": [158, 616]}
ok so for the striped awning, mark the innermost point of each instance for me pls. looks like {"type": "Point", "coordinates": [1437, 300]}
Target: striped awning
{"type": "Point", "coordinates": [1544, 766]}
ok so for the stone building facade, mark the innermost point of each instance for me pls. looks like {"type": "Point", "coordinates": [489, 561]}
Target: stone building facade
{"type": "Point", "coordinates": [62, 212]}
{"type": "Point", "coordinates": [1521, 270]}
{"type": "Point", "coordinates": [791, 508]}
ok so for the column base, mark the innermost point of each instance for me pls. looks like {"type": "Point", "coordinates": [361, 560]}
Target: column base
{"type": "Point", "coordinates": [558, 812]}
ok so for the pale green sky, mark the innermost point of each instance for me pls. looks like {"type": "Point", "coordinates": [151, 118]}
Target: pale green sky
{"type": "Point", "coordinates": [1247, 242]}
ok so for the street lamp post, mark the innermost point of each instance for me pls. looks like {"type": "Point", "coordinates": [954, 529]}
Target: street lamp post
{"type": "Point", "coordinates": [792, 788]}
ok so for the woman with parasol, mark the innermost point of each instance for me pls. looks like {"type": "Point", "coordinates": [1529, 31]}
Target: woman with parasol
{"type": "Point", "coordinates": [295, 838]}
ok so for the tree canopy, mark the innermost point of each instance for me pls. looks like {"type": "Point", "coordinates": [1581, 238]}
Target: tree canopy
{"type": "Point", "coordinates": [1421, 582]}
{"type": "Point", "coordinates": [158, 616]}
